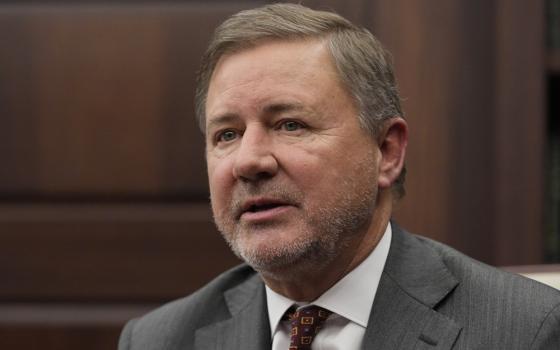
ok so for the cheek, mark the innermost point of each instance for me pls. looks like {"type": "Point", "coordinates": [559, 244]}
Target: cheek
{"type": "Point", "coordinates": [220, 181]}
{"type": "Point", "coordinates": [311, 172]}
{"type": "Point", "coordinates": [300, 169]}
{"type": "Point", "coordinates": [321, 174]}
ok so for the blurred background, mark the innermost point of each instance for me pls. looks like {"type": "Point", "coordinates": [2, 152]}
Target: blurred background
{"type": "Point", "coordinates": [103, 195]}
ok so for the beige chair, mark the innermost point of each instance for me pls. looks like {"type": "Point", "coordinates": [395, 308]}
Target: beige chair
{"type": "Point", "coordinates": [547, 274]}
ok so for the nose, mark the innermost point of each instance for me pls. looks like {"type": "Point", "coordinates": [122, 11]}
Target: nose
{"type": "Point", "coordinates": [254, 159]}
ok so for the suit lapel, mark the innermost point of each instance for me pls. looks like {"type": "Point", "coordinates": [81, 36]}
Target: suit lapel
{"type": "Point", "coordinates": [247, 329]}
{"type": "Point", "coordinates": [413, 282]}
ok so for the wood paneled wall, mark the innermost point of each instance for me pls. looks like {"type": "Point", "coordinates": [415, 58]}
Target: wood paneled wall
{"type": "Point", "coordinates": [472, 76]}
{"type": "Point", "coordinates": [103, 195]}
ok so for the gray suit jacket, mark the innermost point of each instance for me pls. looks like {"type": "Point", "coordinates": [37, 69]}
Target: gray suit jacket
{"type": "Point", "coordinates": [430, 297]}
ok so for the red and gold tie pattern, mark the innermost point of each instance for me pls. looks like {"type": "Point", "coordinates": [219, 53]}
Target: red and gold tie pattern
{"type": "Point", "coordinates": [306, 322]}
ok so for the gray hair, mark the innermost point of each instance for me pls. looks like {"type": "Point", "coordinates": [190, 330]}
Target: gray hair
{"type": "Point", "coordinates": [363, 65]}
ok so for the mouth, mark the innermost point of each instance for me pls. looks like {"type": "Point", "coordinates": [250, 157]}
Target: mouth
{"type": "Point", "coordinates": [258, 207]}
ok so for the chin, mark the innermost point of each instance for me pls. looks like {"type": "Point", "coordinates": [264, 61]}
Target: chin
{"type": "Point", "coordinates": [282, 260]}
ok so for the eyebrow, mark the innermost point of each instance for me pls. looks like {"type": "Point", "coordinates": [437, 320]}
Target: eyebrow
{"type": "Point", "coordinates": [223, 119]}
{"type": "Point", "coordinates": [276, 108]}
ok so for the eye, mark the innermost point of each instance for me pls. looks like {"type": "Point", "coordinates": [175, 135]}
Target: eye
{"type": "Point", "coordinates": [226, 136]}
{"type": "Point", "coordinates": [291, 125]}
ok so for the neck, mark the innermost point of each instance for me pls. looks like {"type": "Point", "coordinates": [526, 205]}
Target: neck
{"type": "Point", "coordinates": [310, 283]}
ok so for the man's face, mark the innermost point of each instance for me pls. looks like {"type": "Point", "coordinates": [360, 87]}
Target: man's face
{"type": "Point", "coordinates": [293, 177]}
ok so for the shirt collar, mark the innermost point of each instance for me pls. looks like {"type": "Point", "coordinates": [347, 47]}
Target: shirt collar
{"type": "Point", "coordinates": [351, 297]}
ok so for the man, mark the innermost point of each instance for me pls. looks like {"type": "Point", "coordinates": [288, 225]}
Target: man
{"type": "Point", "coordinates": [305, 149]}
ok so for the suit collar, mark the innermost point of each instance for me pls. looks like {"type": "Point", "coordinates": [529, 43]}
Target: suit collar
{"type": "Point", "coordinates": [414, 281]}
{"type": "Point", "coordinates": [418, 269]}
{"type": "Point", "coordinates": [247, 329]}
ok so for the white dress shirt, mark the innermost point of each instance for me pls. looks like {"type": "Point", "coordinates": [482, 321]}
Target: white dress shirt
{"type": "Point", "coordinates": [350, 300]}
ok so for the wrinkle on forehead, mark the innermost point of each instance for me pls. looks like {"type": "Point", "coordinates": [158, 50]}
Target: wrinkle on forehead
{"type": "Point", "coordinates": [310, 49]}
{"type": "Point", "coordinates": [289, 65]}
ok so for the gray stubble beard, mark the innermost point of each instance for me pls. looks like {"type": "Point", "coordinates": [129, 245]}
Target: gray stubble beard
{"type": "Point", "coordinates": [336, 224]}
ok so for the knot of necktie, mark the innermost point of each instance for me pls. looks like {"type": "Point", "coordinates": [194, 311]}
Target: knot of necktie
{"type": "Point", "coordinates": [305, 324]}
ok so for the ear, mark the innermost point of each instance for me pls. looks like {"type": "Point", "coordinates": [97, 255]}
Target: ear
{"type": "Point", "coordinates": [392, 145]}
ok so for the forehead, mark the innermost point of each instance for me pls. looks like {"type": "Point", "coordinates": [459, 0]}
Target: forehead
{"type": "Point", "coordinates": [294, 68]}
{"type": "Point", "coordinates": [280, 52]}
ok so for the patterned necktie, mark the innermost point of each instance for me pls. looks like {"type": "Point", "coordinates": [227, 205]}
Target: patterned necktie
{"type": "Point", "coordinates": [306, 322]}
